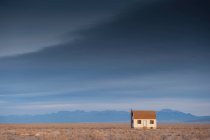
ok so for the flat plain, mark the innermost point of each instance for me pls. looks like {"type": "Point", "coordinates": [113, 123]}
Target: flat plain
{"type": "Point", "coordinates": [103, 131]}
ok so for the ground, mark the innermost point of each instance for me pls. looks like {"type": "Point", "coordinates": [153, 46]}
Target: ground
{"type": "Point", "coordinates": [103, 132]}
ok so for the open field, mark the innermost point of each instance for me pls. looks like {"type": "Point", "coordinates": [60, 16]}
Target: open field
{"type": "Point", "coordinates": [103, 132]}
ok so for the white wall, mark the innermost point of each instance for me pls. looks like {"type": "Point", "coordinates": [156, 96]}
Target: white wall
{"type": "Point", "coordinates": [136, 125]}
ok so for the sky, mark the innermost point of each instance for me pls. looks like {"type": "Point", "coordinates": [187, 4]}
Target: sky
{"type": "Point", "coordinates": [104, 55]}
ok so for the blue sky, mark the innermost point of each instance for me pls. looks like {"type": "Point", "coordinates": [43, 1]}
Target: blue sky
{"type": "Point", "coordinates": [107, 55]}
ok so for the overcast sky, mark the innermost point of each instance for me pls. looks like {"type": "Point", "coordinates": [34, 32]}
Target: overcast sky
{"type": "Point", "coordinates": [104, 55]}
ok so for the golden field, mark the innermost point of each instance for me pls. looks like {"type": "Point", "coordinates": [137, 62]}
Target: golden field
{"type": "Point", "coordinates": [100, 131]}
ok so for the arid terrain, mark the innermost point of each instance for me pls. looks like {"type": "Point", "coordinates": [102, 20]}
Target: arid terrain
{"type": "Point", "coordinates": [103, 132]}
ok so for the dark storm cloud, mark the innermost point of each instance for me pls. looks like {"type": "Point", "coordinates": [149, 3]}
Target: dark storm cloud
{"type": "Point", "coordinates": [29, 26]}
{"type": "Point", "coordinates": [162, 32]}
{"type": "Point", "coordinates": [163, 24]}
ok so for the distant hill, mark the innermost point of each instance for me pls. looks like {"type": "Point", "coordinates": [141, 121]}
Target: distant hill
{"type": "Point", "coordinates": [165, 115]}
{"type": "Point", "coordinates": [168, 115]}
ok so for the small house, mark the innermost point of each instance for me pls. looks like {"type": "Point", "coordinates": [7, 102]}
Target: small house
{"type": "Point", "coordinates": [143, 119]}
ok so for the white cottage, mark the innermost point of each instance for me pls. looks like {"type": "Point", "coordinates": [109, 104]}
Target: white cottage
{"type": "Point", "coordinates": [143, 119]}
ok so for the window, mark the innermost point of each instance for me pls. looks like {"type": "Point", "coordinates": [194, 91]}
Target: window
{"type": "Point", "coordinates": [139, 122]}
{"type": "Point", "coordinates": [151, 121]}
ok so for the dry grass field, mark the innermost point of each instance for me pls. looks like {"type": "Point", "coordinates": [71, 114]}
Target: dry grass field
{"type": "Point", "coordinates": [103, 132]}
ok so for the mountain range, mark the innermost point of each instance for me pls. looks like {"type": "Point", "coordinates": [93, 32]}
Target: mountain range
{"type": "Point", "coordinates": [78, 116]}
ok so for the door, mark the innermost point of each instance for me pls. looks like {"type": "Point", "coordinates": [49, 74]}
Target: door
{"type": "Point", "coordinates": [144, 123]}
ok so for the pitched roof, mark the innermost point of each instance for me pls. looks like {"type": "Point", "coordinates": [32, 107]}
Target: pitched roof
{"type": "Point", "coordinates": [141, 114]}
